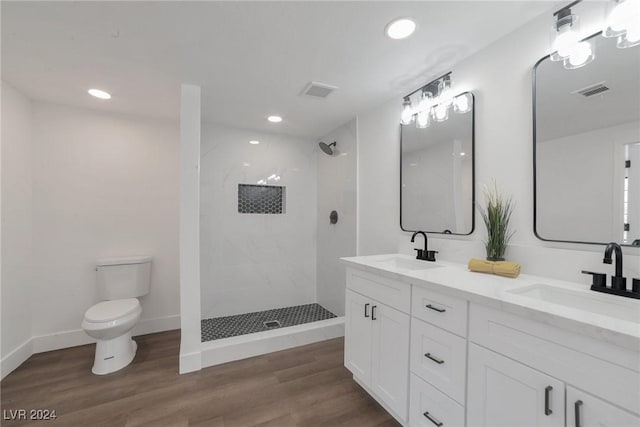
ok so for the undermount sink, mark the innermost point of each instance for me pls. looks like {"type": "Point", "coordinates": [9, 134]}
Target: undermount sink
{"type": "Point", "coordinates": [407, 264]}
{"type": "Point", "coordinates": [606, 305]}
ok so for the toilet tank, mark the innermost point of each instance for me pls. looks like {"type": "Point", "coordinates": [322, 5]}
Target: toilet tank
{"type": "Point", "coordinates": [125, 277]}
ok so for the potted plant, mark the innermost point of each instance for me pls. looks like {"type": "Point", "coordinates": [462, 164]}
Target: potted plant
{"type": "Point", "coordinates": [496, 215]}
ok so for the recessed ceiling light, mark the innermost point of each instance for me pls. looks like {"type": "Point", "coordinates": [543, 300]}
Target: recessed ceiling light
{"type": "Point", "coordinates": [99, 94]}
{"type": "Point", "coordinates": [254, 142]}
{"type": "Point", "coordinates": [400, 28]}
{"type": "Point", "coordinates": [274, 119]}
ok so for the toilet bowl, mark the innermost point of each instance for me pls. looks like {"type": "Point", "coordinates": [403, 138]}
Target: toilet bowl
{"type": "Point", "coordinates": [110, 323]}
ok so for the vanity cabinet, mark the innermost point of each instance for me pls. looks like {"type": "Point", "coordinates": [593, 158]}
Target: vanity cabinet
{"type": "Point", "coordinates": [377, 344]}
{"type": "Point", "coordinates": [434, 358]}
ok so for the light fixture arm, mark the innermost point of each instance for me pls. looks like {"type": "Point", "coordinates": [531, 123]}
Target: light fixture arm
{"type": "Point", "coordinates": [428, 85]}
{"type": "Point", "coordinates": [566, 10]}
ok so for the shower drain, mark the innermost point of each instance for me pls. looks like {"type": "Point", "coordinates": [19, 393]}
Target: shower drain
{"type": "Point", "coordinates": [272, 324]}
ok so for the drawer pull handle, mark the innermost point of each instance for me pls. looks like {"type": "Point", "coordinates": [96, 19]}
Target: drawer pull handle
{"type": "Point", "coordinates": [547, 400]}
{"type": "Point", "coordinates": [439, 310]}
{"type": "Point", "coordinates": [577, 406]}
{"type": "Point", "coordinates": [432, 419]}
{"type": "Point", "coordinates": [373, 312]}
{"type": "Point", "coordinates": [435, 359]}
{"type": "Point", "coordinates": [366, 313]}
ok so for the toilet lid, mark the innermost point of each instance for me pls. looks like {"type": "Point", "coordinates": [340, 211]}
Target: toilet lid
{"type": "Point", "coordinates": [110, 310]}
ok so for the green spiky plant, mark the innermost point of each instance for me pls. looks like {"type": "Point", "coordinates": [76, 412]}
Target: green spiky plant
{"type": "Point", "coordinates": [496, 216]}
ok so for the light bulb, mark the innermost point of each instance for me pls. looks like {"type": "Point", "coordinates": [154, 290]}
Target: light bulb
{"type": "Point", "coordinates": [441, 112]}
{"type": "Point", "coordinates": [581, 54]}
{"type": "Point", "coordinates": [462, 103]}
{"type": "Point", "coordinates": [425, 101]}
{"type": "Point", "coordinates": [565, 41]}
{"type": "Point", "coordinates": [406, 116]}
{"type": "Point", "coordinates": [422, 119]}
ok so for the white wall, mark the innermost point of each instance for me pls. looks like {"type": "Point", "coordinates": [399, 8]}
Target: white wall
{"type": "Point", "coordinates": [580, 184]}
{"type": "Point", "coordinates": [500, 77]}
{"type": "Point", "coordinates": [17, 213]}
{"type": "Point", "coordinates": [336, 191]}
{"type": "Point", "coordinates": [103, 185]}
{"type": "Point", "coordinates": [254, 262]}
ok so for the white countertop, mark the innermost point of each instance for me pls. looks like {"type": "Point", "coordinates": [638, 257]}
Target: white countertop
{"type": "Point", "coordinates": [495, 291]}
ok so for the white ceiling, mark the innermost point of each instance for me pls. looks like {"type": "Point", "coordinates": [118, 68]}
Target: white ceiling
{"type": "Point", "coordinates": [252, 59]}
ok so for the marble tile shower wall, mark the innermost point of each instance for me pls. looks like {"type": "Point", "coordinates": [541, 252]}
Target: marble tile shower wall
{"type": "Point", "coordinates": [254, 262]}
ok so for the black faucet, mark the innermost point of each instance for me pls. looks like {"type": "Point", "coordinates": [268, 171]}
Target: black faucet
{"type": "Point", "coordinates": [424, 254]}
{"type": "Point", "coordinates": [617, 281]}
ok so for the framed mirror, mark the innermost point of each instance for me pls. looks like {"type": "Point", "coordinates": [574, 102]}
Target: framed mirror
{"type": "Point", "coordinates": [586, 141]}
{"type": "Point", "coordinates": [437, 174]}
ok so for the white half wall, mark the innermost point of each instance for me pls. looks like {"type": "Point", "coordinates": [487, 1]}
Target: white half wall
{"type": "Point", "coordinates": [250, 261]}
{"type": "Point", "coordinates": [500, 77]}
{"type": "Point", "coordinates": [17, 223]}
{"type": "Point", "coordinates": [337, 176]}
{"type": "Point", "coordinates": [190, 359]}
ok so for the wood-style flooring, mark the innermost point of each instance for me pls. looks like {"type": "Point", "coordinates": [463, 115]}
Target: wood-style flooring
{"type": "Point", "coordinates": [304, 386]}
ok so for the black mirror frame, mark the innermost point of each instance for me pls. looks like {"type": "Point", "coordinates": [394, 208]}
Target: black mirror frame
{"type": "Point", "coordinates": [473, 175]}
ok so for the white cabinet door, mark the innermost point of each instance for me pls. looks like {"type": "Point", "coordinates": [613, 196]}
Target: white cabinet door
{"type": "Point", "coordinates": [502, 392]}
{"type": "Point", "coordinates": [390, 352]}
{"type": "Point", "coordinates": [357, 340]}
{"type": "Point", "coordinates": [584, 410]}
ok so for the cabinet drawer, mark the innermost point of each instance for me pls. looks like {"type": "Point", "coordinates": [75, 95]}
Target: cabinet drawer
{"type": "Point", "coordinates": [439, 357]}
{"type": "Point", "coordinates": [446, 312]}
{"type": "Point", "coordinates": [430, 408]}
{"type": "Point", "coordinates": [390, 292]}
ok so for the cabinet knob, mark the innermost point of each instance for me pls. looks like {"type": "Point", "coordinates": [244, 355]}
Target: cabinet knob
{"type": "Point", "coordinates": [432, 419]}
{"type": "Point", "coordinates": [576, 408]}
{"type": "Point", "coordinates": [435, 359]}
{"type": "Point", "coordinates": [547, 400]}
{"type": "Point", "coordinates": [439, 310]}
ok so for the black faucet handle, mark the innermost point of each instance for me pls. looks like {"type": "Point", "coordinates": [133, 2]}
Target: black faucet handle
{"type": "Point", "coordinates": [431, 255]}
{"type": "Point", "coordinates": [635, 287]}
{"type": "Point", "coordinates": [599, 279]}
{"type": "Point", "coordinates": [420, 254]}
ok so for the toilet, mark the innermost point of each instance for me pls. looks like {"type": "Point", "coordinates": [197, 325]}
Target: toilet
{"type": "Point", "coordinates": [121, 281]}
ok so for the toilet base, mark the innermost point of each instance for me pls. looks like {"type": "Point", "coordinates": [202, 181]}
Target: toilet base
{"type": "Point", "coordinates": [114, 354]}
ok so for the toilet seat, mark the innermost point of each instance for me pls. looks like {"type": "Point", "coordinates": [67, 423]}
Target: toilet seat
{"type": "Point", "coordinates": [107, 311]}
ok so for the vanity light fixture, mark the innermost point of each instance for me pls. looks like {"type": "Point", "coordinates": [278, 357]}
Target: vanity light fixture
{"type": "Point", "coordinates": [274, 119]}
{"type": "Point", "coordinates": [400, 28]}
{"type": "Point", "coordinates": [436, 99]}
{"type": "Point", "coordinates": [99, 93]}
{"type": "Point", "coordinates": [623, 22]}
{"type": "Point", "coordinates": [565, 40]}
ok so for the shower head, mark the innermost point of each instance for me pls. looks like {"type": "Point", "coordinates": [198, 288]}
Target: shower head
{"type": "Point", "coordinates": [327, 147]}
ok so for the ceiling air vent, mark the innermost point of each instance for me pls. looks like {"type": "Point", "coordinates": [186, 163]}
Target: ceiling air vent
{"type": "Point", "coordinates": [592, 90]}
{"type": "Point", "coordinates": [318, 90]}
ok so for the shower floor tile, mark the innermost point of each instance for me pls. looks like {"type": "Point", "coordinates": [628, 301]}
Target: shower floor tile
{"type": "Point", "coordinates": [249, 323]}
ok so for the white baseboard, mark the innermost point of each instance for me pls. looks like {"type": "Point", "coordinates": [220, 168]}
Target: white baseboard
{"type": "Point", "coordinates": [190, 362]}
{"type": "Point", "coordinates": [16, 358]}
{"type": "Point", "coordinates": [73, 338]}
{"type": "Point", "coordinates": [245, 346]}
